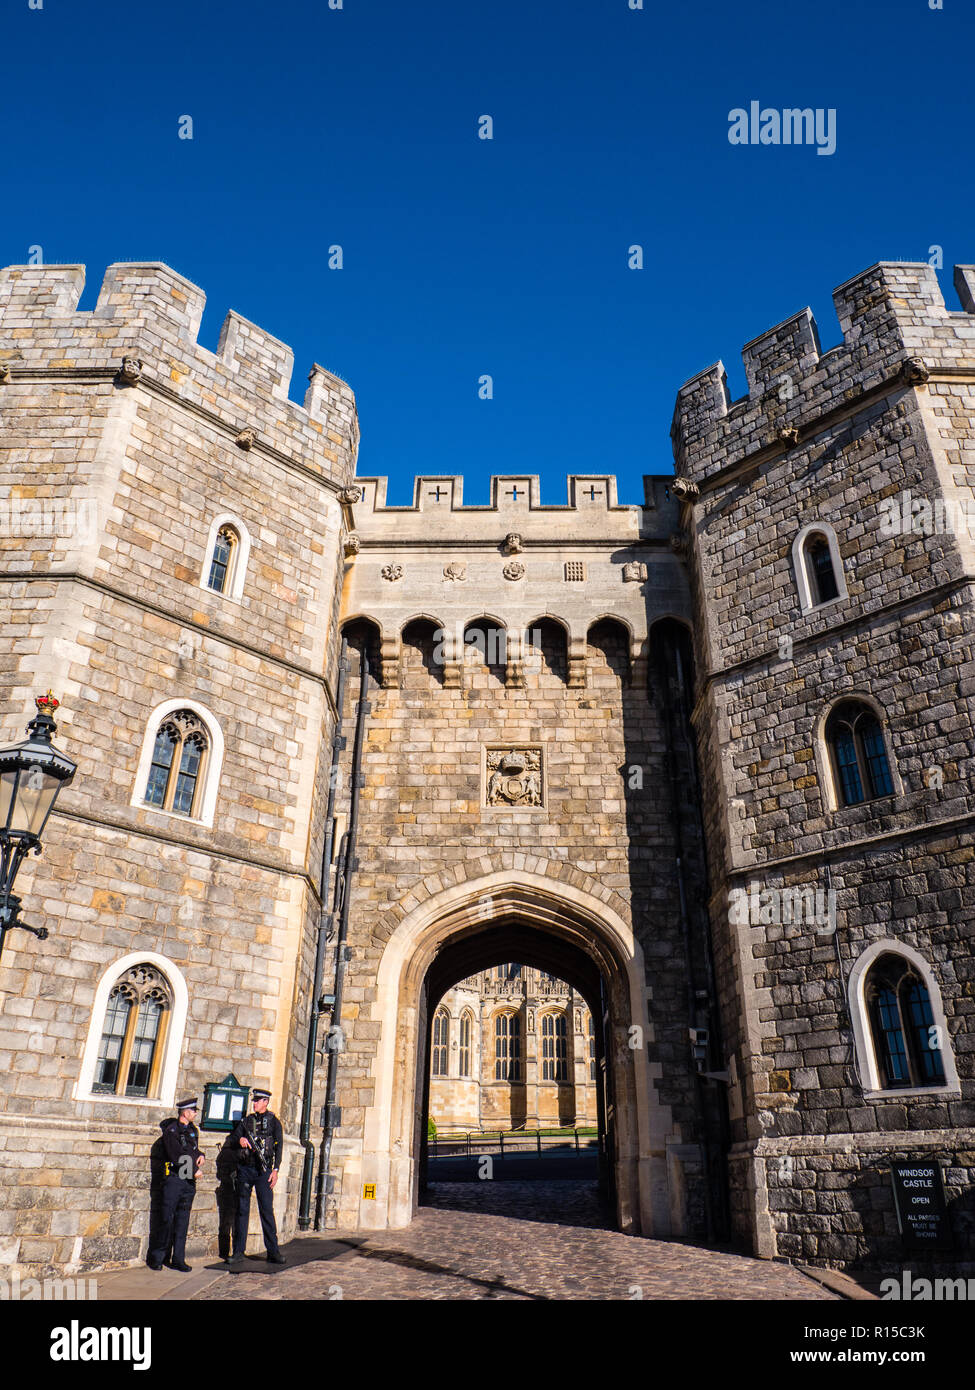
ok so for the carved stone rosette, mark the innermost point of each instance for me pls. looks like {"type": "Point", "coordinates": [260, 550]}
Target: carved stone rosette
{"type": "Point", "coordinates": [514, 777]}
{"type": "Point", "coordinates": [514, 570]}
{"type": "Point", "coordinates": [456, 570]}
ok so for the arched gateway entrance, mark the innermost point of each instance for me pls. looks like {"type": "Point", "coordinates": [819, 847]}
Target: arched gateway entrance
{"type": "Point", "coordinates": [558, 926]}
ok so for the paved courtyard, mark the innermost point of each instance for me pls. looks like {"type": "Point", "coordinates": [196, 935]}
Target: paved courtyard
{"type": "Point", "coordinates": [509, 1240]}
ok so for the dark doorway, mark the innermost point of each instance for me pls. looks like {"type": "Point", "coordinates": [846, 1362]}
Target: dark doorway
{"type": "Point", "coordinates": [516, 1112]}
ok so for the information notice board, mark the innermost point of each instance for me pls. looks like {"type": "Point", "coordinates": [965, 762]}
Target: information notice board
{"type": "Point", "coordinates": [922, 1213]}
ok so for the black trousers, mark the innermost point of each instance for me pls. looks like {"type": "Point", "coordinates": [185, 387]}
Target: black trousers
{"type": "Point", "coordinates": [175, 1202]}
{"type": "Point", "coordinates": [249, 1178]}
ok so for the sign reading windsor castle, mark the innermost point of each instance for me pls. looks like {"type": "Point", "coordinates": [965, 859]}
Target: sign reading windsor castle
{"type": "Point", "coordinates": [706, 758]}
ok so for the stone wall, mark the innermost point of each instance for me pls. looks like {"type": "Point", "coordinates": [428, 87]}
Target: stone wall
{"type": "Point", "coordinates": [122, 443]}
{"type": "Point", "coordinates": [832, 438]}
{"type": "Point", "coordinates": [478, 1099]}
{"type": "Point", "coordinates": [607, 813]}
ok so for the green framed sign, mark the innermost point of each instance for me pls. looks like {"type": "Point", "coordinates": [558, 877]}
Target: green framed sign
{"type": "Point", "coordinates": [224, 1103]}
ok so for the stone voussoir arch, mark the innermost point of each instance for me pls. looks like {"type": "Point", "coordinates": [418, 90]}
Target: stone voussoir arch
{"type": "Point", "coordinates": [556, 870]}
{"type": "Point", "coordinates": [554, 898]}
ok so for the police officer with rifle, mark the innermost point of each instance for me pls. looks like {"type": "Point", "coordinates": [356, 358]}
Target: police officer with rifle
{"type": "Point", "coordinates": [261, 1140]}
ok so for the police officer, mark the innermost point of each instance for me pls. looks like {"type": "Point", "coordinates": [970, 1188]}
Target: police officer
{"type": "Point", "coordinates": [261, 1140]}
{"type": "Point", "coordinates": [181, 1144]}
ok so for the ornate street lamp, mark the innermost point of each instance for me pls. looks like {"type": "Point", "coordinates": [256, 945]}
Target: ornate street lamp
{"type": "Point", "coordinates": [31, 776]}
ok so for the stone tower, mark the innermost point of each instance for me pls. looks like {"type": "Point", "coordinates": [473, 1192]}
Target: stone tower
{"type": "Point", "coordinates": [127, 450]}
{"type": "Point", "coordinates": [818, 605]}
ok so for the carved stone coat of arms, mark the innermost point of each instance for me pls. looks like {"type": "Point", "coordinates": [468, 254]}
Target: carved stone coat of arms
{"type": "Point", "coordinates": [514, 777]}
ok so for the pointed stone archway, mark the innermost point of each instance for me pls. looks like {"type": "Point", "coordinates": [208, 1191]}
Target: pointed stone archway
{"type": "Point", "coordinates": [567, 923]}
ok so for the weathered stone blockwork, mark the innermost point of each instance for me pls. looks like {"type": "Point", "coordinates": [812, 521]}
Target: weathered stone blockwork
{"type": "Point", "coordinates": [882, 415]}
{"type": "Point", "coordinates": [114, 474]}
{"type": "Point", "coordinates": [577, 692]}
{"type": "Point", "coordinates": [535, 801]}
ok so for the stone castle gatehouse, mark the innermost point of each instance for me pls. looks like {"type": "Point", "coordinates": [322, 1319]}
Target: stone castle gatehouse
{"type": "Point", "coordinates": [706, 757]}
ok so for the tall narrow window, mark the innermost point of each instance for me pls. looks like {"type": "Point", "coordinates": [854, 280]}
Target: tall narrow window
{"type": "Point", "coordinates": [507, 1047]}
{"type": "Point", "coordinates": [819, 568]}
{"type": "Point", "coordinates": [906, 1043]}
{"type": "Point", "coordinates": [592, 1047]}
{"type": "Point", "coordinates": [222, 559]}
{"type": "Point", "coordinates": [859, 755]}
{"type": "Point", "coordinates": [466, 1032]}
{"type": "Point", "coordinates": [133, 1033]}
{"type": "Point", "coordinates": [178, 759]}
{"type": "Point", "coordinates": [554, 1048]}
{"type": "Point", "coordinates": [441, 1029]}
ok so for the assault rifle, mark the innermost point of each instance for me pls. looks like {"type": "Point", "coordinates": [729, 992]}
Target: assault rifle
{"type": "Point", "coordinates": [255, 1148]}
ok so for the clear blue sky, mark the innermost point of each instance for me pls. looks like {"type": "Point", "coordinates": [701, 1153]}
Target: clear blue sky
{"type": "Point", "coordinates": [463, 257]}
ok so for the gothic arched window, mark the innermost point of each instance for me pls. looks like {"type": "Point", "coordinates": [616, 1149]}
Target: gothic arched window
{"type": "Point", "coordinates": [554, 1048]}
{"type": "Point", "coordinates": [133, 1034]}
{"type": "Point", "coordinates": [907, 1045]}
{"type": "Point", "coordinates": [441, 1030]}
{"type": "Point", "coordinates": [591, 1047]}
{"type": "Point", "coordinates": [818, 566]}
{"type": "Point", "coordinates": [223, 559]}
{"type": "Point", "coordinates": [466, 1033]}
{"type": "Point", "coordinates": [858, 754]}
{"type": "Point", "coordinates": [178, 764]}
{"type": "Point", "coordinates": [820, 573]}
{"type": "Point", "coordinates": [507, 1047]}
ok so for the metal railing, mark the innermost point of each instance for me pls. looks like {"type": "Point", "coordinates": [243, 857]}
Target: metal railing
{"type": "Point", "coordinates": [474, 1143]}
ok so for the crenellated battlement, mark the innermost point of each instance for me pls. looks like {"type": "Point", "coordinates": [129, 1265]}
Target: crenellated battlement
{"type": "Point", "coordinates": [889, 314]}
{"type": "Point", "coordinates": [152, 314]}
{"type": "Point", "coordinates": [438, 509]}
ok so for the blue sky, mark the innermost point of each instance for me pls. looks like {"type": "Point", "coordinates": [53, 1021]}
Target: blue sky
{"type": "Point", "coordinates": [465, 257]}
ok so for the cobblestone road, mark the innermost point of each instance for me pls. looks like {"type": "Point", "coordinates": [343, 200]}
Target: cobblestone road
{"type": "Point", "coordinates": [511, 1240]}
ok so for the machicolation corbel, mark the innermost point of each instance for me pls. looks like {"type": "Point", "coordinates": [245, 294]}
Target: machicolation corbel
{"type": "Point", "coordinates": [914, 371]}
{"type": "Point", "coordinates": [789, 436]}
{"type": "Point", "coordinates": [4, 374]}
{"type": "Point", "coordinates": [352, 544]}
{"type": "Point", "coordinates": [350, 495]}
{"type": "Point", "coordinates": [130, 371]}
{"type": "Point", "coordinates": [679, 543]}
{"type": "Point", "coordinates": [246, 439]}
{"type": "Point", "coordinates": [685, 490]}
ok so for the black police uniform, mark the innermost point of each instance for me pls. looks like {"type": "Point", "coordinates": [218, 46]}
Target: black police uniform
{"type": "Point", "coordinates": [181, 1144]}
{"type": "Point", "coordinates": [264, 1133]}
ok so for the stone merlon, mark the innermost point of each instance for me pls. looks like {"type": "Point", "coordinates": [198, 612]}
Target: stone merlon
{"type": "Point", "coordinates": [438, 511]}
{"type": "Point", "coordinates": [887, 314]}
{"type": "Point", "coordinates": [151, 313]}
